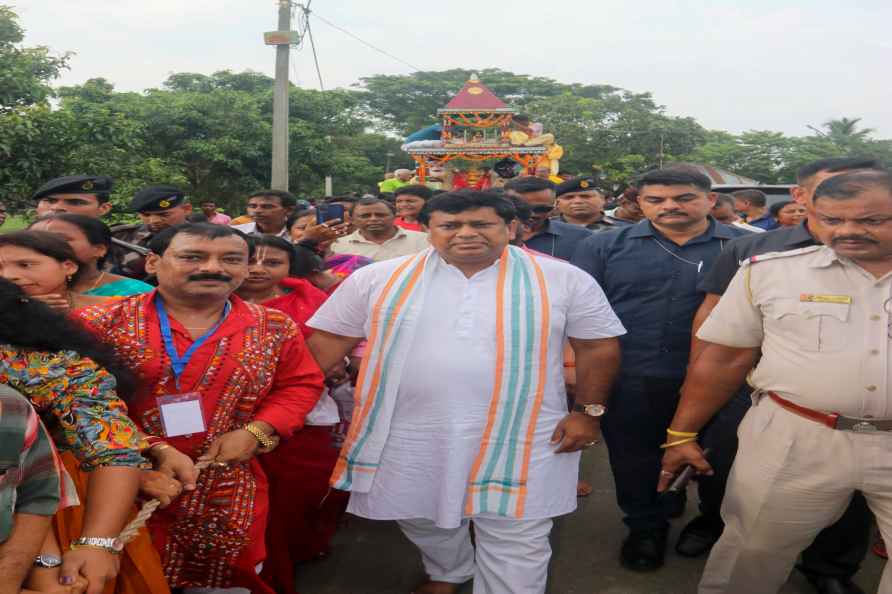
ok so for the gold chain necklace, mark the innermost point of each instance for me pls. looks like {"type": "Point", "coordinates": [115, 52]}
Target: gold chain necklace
{"type": "Point", "coordinates": [96, 284]}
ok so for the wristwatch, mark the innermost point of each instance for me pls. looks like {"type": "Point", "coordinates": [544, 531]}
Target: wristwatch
{"type": "Point", "coordinates": [47, 561]}
{"type": "Point", "coordinates": [265, 440]}
{"type": "Point", "coordinates": [110, 545]}
{"type": "Point", "coordinates": [592, 410]}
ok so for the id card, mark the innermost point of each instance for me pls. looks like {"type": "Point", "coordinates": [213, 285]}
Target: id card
{"type": "Point", "coordinates": [181, 414]}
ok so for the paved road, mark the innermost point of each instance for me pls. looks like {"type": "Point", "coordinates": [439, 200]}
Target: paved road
{"type": "Point", "coordinates": [374, 558]}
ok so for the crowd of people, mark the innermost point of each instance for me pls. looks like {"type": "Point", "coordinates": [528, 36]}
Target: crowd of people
{"type": "Point", "coordinates": [441, 359]}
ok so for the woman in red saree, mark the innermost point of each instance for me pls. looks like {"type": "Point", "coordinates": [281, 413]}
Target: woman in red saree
{"type": "Point", "coordinates": [304, 513]}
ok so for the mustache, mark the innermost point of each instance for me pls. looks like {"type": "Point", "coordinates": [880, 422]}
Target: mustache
{"type": "Point", "coordinates": [857, 238]}
{"type": "Point", "coordinates": [209, 276]}
{"type": "Point", "coordinates": [672, 214]}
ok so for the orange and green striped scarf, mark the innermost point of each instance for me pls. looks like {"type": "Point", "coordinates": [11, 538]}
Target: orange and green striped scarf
{"type": "Point", "coordinates": [498, 480]}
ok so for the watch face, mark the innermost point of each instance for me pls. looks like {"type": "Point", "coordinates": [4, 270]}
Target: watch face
{"type": "Point", "coordinates": [595, 410]}
{"type": "Point", "coordinates": [47, 561]}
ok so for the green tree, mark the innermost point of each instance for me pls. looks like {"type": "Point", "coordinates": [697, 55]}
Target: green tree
{"type": "Point", "coordinates": [772, 157]}
{"type": "Point", "coordinates": [610, 132]}
{"type": "Point", "coordinates": [29, 144]}
{"type": "Point", "coordinates": [25, 72]}
{"type": "Point", "coordinates": [845, 130]}
{"type": "Point", "coordinates": [404, 103]}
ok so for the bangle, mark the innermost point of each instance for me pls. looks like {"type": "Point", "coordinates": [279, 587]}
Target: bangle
{"type": "Point", "coordinates": [672, 444]}
{"type": "Point", "coordinates": [681, 433]}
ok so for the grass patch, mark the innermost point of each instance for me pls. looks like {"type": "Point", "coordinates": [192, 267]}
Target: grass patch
{"type": "Point", "coordinates": [14, 223]}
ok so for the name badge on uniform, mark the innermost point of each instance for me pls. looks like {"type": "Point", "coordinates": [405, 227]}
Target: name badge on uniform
{"type": "Point", "coordinates": [812, 298]}
{"type": "Point", "coordinates": [181, 414]}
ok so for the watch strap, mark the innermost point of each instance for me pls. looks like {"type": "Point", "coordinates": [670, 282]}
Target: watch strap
{"type": "Point", "coordinates": [265, 440]}
{"type": "Point", "coordinates": [109, 544]}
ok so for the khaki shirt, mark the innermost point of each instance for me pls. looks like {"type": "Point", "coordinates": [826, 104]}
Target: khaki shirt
{"type": "Point", "coordinates": [404, 243]}
{"type": "Point", "coordinates": [822, 325]}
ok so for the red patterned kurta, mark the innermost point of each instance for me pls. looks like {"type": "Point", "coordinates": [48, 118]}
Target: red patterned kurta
{"type": "Point", "coordinates": [254, 367]}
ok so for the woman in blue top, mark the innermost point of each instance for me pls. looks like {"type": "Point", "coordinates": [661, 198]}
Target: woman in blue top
{"type": "Point", "coordinates": [90, 239]}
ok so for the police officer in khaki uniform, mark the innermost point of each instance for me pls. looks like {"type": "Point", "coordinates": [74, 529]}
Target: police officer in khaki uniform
{"type": "Point", "coordinates": [816, 325]}
{"type": "Point", "coordinates": [159, 207]}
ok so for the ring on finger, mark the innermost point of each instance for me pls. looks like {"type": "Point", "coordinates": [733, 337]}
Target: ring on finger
{"type": "Point", "coordinates": [667, 474]}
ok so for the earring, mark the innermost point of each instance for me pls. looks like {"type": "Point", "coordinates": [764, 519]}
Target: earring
{"type": "Point", "coordinates": [68, 278]}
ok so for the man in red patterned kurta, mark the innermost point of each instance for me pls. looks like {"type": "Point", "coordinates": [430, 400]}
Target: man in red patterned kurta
{"type": "Point", "coordinates": [221, 379]}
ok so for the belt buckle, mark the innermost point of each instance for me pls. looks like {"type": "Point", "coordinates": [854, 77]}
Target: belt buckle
{"type": "Point", "coordinates": [856, 425]}
{"type": "Point", "coordinates": [864, 427]}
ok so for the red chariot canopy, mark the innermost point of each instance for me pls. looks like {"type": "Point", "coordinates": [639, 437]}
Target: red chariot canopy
{"type": "Point", "coordinates": [475, 96]}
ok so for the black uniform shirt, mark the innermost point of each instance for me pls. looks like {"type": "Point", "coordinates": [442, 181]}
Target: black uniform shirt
{"type": "Point", "coordinates": [738, 251]}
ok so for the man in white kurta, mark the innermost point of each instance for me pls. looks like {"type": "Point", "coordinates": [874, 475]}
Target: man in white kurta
{"type": "Point", "coordinates": [444, 394]}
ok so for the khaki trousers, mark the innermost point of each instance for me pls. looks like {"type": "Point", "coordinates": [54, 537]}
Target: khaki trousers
{"type": "Point", "coordinates": [791, 478]}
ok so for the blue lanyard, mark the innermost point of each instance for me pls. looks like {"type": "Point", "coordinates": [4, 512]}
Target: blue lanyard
{"type": "Point", "coordinates": [178, 363]}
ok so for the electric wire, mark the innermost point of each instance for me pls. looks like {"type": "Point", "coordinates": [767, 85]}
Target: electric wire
{"type": "Point", "coordinates": [360, 40]}
{"type": "Point", "coordinates": [315, 57]}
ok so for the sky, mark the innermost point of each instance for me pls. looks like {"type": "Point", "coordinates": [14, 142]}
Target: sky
{"type": "Point", "coordinates": [733, 65]}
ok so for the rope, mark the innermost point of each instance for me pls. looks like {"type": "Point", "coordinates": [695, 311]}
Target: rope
{"type": "Point", "coordinates": [131, 530]}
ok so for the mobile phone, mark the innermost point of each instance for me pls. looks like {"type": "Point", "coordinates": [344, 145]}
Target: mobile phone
{"type": "Point", "coordinates": [329, 212]}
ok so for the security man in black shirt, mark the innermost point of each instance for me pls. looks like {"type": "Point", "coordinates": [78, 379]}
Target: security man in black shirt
{"type": "Point", "coordinates": [836, 554]}
{"type": "Point", "coordinates": [159, 206]}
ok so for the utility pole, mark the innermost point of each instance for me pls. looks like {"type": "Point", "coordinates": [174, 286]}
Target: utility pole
{"type": "Point", "coordinates": [280, 97]}
{"type": "Point", "coordinates": [328, 182]}
{"type": "Point", "coordinates": [662, 146]}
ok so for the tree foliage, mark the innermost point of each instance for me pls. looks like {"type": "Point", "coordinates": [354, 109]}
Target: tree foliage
{"type": "Point", "coordinates": [772, 157]}
{"type": "Point", "coordinates": [402, 104]}
{"type": "Point", "coordinates": [211, 134]}
{"type": "Point", "coordinates": [25, 73]}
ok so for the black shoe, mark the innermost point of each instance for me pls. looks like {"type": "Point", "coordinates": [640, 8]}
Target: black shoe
{"type": "Point", "coordinates": [834, 585]}
{"type": "Point", "coordinates": [644, 550]}
{"type": "Point", "coordinates": [698, 536]}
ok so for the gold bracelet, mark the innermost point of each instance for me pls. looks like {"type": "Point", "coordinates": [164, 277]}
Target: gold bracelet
{"type": "Point", "coordinates": [265, 440]}
{"type": "Point", "coordinates": [681, 433]}
{"type": "Point", "coordinates": [678, 443]}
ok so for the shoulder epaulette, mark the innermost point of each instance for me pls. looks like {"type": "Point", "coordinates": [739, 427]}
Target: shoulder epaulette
{"type": "Point", "coordinates": [777, 255]}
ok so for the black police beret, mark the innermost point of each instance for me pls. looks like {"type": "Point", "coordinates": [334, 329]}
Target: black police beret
{"type": "Point", "coordinates": [75, 184]}
{"type": "Point", "coordinates": [576, 184]}
{"type": "Point", "coordinates": [158, 197]}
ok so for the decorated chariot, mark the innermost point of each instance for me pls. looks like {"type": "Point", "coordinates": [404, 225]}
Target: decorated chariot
{"type": "Point", "coordinates": [479, 128]}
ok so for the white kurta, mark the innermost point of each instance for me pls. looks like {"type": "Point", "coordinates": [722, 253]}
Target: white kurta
{"type": "Point", "coordinates": [445, 391]}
